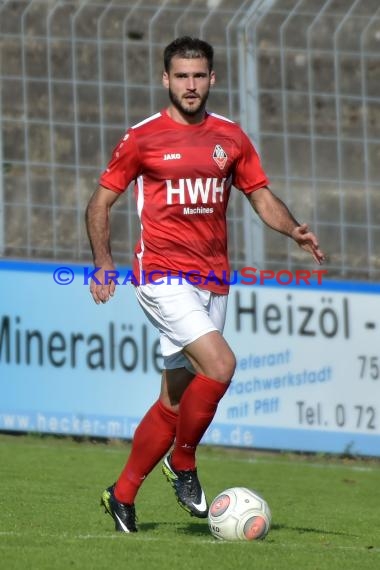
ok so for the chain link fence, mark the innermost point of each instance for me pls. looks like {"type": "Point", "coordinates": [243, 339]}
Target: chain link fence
{"type": "Point", "coordinates": [318, 86]}
{"type": "Point", "coordinates": [302, 77]}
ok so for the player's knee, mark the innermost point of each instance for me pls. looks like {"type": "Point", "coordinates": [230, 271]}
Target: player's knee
{"type": "Point", "coordinates": [224, 367]}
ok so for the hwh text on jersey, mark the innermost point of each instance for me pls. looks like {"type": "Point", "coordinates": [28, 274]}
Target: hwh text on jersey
{"type": "Point", "coordinates": [195, 191]}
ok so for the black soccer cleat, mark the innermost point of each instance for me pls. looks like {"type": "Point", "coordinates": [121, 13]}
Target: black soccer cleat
{"type": "Point", "coordinates": [186, 485]}
{"type": "Point", "coordinates": [123, 515]}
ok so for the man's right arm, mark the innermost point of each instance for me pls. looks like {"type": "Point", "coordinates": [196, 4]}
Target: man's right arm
{"type": "Point", "coordinates": [98, 230]}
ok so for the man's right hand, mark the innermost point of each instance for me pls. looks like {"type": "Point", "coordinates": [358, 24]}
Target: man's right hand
{"type": "Point", "coordinates": [107, 277]}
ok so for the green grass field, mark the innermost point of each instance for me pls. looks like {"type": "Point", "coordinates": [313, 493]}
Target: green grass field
{"type": "Point", "coordinates": [325, 511]}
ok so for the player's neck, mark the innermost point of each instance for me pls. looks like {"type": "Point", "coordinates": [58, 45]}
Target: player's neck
{"type": "Point", "coordinates": [183, 119]}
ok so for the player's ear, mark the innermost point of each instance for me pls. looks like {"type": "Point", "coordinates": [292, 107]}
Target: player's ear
{"type": "Point", "coordinates": [165, 79]}
{"type": "Point", "coordinates": [212, 77]}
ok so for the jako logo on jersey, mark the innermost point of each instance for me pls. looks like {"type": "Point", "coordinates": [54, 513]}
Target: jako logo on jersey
{"type": "Point", "coordinates": [195, 191]}
{"type": "Point", "coordinates": [172, 156]}
{"type": "Point", "coordinates": [219, 156]}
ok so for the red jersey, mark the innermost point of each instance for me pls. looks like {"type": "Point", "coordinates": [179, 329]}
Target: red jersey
{"type": "Point", "coordinates": [183, 176]}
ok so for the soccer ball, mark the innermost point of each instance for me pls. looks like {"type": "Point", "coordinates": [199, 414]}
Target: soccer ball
{"type": "Point", "coordinates": [239, 514]}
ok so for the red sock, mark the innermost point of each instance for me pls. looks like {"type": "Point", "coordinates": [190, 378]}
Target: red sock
{"type": "Point", "coordinates": [196, 411]}
{"type": "Point", "coordinates": [152, 440]}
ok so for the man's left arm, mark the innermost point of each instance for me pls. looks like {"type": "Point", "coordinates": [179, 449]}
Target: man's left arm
{"type": "Point", "coordinates": [277, 216]}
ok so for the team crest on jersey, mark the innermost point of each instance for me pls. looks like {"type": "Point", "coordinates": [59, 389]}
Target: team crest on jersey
{"type": "Point", "coordinates": [220, 156]}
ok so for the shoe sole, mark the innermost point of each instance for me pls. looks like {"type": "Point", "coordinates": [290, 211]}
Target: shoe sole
{"type": "Point", "coordinates": [171, 477]}
{"type": "Point", "coordinates": [104, 502]}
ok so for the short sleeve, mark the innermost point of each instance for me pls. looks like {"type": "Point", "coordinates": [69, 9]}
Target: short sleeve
{"type": "Point", "coordinates": [249, 174]}
{"type": "Point", "coordinates": [123, 166]}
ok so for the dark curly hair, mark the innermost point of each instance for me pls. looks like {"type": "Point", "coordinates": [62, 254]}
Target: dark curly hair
{"type": "Point", "coordinates": [188, 48]}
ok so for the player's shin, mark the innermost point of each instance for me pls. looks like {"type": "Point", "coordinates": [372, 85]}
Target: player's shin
{"type": "Point", "coordinates": [152, 440]}
{"type": "Point", "coordinates": [196, 411]}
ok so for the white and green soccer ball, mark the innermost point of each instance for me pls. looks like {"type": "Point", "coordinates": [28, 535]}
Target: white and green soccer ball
{"type": "Point", "coordinates": [239, 514]}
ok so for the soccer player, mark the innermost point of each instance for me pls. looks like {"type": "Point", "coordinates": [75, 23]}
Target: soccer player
{"type": "Point", "coordinates": [183, 161]}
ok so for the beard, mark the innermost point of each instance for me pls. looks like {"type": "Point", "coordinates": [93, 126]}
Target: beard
{"type": "Point", "coordinates": [198, 105]}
